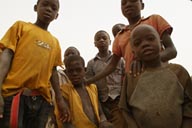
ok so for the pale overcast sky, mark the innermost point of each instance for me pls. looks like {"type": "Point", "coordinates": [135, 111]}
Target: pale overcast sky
{"type": "Point", "coordinates": [79, 20]}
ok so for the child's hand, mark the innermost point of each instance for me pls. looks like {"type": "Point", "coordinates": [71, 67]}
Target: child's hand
{"type": "Point", "coordinates": [136, 68]}
{"type": "Point", "coordinates": [64, 115]}
{"type": "Point", "coordinates": [1, 106]}
{"type": "Point", "coordinates": [105, 124]}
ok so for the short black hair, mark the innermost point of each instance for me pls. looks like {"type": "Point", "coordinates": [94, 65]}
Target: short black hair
{"type": "Point", "coordinates": [117, 28]}
{"type": "Point", "coordinates": [102, 31]}
{"type": "Point", "coordinates": [69, 59]}
{"type": "Point", "coordinates": [40, 0]}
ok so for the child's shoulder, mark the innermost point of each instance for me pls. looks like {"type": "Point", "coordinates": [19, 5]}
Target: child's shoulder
{"type": "Point", "coordinates": [92, 87]}
{"type": "Point", "coordinates": [177, 68]}
{"type": "Point", "coordinates": [154, 15]}
{"type": "Point", "coordinates": [20, 22]}
{"type": "Point", "coordinates": [181, 73]}
{"type": "Point", "coordinates": [22, 25]}
{"type": "Point", "coordinates": [92, 61]}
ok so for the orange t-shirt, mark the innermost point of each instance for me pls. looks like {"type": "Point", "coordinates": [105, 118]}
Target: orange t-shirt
{"type": "Point", "coordinates": [121, 44]}
{"type": "Point", "coordinates": [36, 52]}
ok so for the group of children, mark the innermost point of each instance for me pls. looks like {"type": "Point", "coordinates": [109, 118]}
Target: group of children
{"type": "Point", "coordinates": [132, 86]}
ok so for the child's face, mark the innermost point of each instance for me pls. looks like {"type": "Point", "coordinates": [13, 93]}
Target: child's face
{"type": "Point", "coordinates": [47, 10]}
{"type": "Point", "coordinates": [102, 41]}
{"type": "Point", "coordinates": [131, 8]}
{"type": "Point", "coordinates": [145, 43]}
{"type": "Point", "coordinates": [76, 72]}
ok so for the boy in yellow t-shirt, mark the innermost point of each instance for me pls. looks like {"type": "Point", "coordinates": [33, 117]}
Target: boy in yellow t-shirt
{"type": "Point", "coordinates": [28, 69]}
{"type": "Point", "coordinates": [82, 99]}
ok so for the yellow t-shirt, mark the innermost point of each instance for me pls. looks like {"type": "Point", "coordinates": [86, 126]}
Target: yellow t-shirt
{"type": "Point", "coordinates": [79, 118]}
{"type": "Point", "coordinates": [36, 52]}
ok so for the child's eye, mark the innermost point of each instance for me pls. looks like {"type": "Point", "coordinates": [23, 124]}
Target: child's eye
{"type": "Point", "coordinates": [123, 2]}
{"type": "Point", "coordinates": [99, 38]}
{"type": "Point", "coordinates": [54, 8]}
{"type": "Point", "coordinates": [45, 3]}
{"type": "Point", "coordinates": [151, 38]}
{"type": "Point", "coordinates": [136, 42]}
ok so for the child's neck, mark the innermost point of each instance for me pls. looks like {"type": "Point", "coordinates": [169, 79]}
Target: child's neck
{"type": "Point", "coordinates": [153, 64]}
{"type": "Point", "coordinates": [133, 21]}
{"type": "Point", "coordinates": [79, 86]}
{"type": "Point", "coordinates": [41, 25]}
{"type": "Point", "coordinates": [103, 54]}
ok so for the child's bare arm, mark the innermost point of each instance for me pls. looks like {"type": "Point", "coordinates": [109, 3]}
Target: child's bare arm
{"type": "Point", "coordinates": [63, 109]}
{"type": "Point", "coordinates": [5, 64]}
{"type": "Point", "coordinates": [69, 123]}
{"type": "Point", "coordinates": [170, 51]}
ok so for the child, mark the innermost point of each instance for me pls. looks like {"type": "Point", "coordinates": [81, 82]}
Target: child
{"type": "Point", "coordinates": [63, 79]}
{"type": "Point", "coordinates": [108, 88]}
{"type": "Point", "coordinates": [82, 99]}
{"type": "Point", "coordinates": [161, 96]}
{"type": "Point", "coordinates": [28, 69]}
{"type": "Point", "coordinates": [61, 72]}
{"type": "Point", "coordinates": [117, 28]}
{"type": "Point", "coordinates": [131, 9]}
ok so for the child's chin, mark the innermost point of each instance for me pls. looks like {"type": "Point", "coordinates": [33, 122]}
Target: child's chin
{"type": "Point", "coordinates": [77, 83]}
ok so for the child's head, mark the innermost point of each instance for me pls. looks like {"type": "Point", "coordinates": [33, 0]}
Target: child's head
{"type": "Point", "coordinates": [75, 69]}
{"type": "Point", "coordinates": [47, 10]}
{"type": "Point", "coordinates": [145, 43]}
{"type": "Point", "coordinates": [71, 51]}
{"type": "Point", "coordinates": [131, 9]}
{"type": "Point", "coordinates": [102, 40]}
{"type": "Point", "coordinates": [117, 28]}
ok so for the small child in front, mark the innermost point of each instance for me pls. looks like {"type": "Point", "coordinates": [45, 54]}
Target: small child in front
{"type": "Point", "coordinates": [161, 97]}
{"type": "Point", "coordinates": [82, 99]}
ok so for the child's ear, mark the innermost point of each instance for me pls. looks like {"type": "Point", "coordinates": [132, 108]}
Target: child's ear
{"type": "Point", "coordinates": [109, 42]}
{"type": "Point", "coordinates": [35, 8]}
{"type": "Point", "coordinates": [142, 6]}
{"type": "Point", "coordinates": [95, 44]}
{"type": "Point", "coordinates": [56, 15]}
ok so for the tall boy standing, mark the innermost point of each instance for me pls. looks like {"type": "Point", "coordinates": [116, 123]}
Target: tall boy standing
{"type": "Point", "coordinates": [28, 69]}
